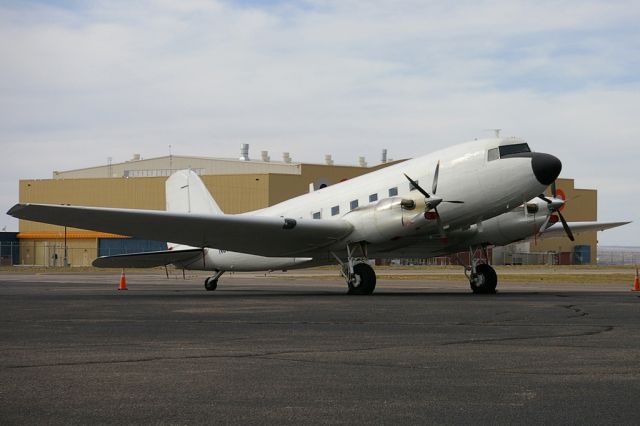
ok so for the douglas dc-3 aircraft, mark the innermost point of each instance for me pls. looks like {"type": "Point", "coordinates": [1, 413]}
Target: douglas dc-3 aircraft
{"type": "Point", "coordinates": [484, 192]}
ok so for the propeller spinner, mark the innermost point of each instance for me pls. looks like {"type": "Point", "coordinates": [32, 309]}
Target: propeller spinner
{"type": "Point", "coordinates": [554, 206]}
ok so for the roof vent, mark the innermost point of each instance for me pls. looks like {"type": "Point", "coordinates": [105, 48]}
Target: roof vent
{"type": "Point", "coordinates": [244, 152]}
{"type": "Point", "coordinates": [384, 156]}
{"type": "Point", "coordinates": [328, 160]}
{"type": "Point", "coordinates": [286, 157]}
{"type": "Point", "coordinates": [265, 156]}
{"type": "Point", "coordinates": [362, 162]}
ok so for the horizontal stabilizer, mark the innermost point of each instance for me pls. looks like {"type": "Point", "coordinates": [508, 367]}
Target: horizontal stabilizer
{"type": "Point", "coordinates": [252, 234]}
{"type": "Point", "coordinates": [148, 259]}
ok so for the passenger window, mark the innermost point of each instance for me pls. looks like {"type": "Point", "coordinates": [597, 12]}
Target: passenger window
{"type": "Point", "coordinates": [316, 215]}
{"type": "Point", "coordinates": [393, 192]}
{"type": "Point", "coordinates": [354, 204]}
{"type": "Point", "coordinates": [373, 197]}
{"type": "Point", "coordinates": [335, 210]}
{"type": "Point", "coordinates": [493, 154]}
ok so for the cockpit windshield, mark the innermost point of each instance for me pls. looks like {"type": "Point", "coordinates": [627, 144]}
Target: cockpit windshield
{"type": "Point", "coordinates": [507, 150]}
{"type": "Point", "coordinates": [514, 149]}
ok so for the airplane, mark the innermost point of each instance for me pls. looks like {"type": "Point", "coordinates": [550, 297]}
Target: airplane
{"type": "Point", "coordinates": [476, 188]}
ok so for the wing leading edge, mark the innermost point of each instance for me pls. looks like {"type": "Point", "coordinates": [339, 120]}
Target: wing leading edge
{"type": "Point", "coordinates": [260, 235]}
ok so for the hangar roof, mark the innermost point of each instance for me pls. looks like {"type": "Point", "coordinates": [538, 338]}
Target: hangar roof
{"type": "Point", "coordinates": [164, 166]}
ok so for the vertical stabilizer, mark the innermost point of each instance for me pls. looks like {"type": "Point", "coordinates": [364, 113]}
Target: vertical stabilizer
{"type": "Point", "coordinates": [186, 193]}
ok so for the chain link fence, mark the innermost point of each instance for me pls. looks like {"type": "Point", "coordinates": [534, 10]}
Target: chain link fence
{"type": "Point", "coordinates": [47, 254]}
{"type": "Point", "coordinates": [9, 253]}
{"type": "Point", "coordinates": [627, 256]}
{"type": "Point", "coordinates": [50, 254]}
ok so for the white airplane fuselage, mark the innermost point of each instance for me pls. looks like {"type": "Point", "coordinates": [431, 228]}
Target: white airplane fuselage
{"type": "Point", "coordinates": [372, 203]}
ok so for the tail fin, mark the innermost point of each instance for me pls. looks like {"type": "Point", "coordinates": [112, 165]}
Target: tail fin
{"type": "Point", "coordinates": [186, 193]}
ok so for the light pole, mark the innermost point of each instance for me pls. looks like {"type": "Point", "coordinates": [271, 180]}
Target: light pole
{"type": "Point", "coordinates": [66, 259]}
{"type": "Point", "coordinates": [65, 247]}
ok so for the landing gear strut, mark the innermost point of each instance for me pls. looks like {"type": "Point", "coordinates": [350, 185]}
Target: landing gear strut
{"type": "Point", "coordinates": [360, 276]}
{"type": "Point", "coordinates": [211, 283]}
{"type": "Point", "coordinates": [482, 277]}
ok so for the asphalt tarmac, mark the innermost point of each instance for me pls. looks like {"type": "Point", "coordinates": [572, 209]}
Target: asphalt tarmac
{"type": "Point", "coordinates": [269, 350]}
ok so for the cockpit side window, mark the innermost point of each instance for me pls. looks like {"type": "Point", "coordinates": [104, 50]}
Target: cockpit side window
{"type": "Point", "coordinates": [513, 149]}
{"type": "Point", "coordinates": [493, 154]}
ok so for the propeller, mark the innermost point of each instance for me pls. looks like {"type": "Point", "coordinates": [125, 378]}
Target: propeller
{"type": "Point", "coordinates": [554, 206]}
{"type": "Point", "coordinates": [432, 201]}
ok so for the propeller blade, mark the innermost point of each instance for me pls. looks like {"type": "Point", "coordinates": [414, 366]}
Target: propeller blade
{"type": "Point", "coordinates": [435, 179]}
{"type": "Point", "coordinates": [565, 225]}
{"type": "Point", "coordinates": [554, 192]}
{"type": "Point", "coordinates": [418, 187]}
{"type": "Point", "coordinates": [453, 201]}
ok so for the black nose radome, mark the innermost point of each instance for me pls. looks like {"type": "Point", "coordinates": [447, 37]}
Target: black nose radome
{"type": "Point", "coordinates": [546, 167]}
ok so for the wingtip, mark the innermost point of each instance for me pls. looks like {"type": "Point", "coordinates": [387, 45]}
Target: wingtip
{"type": "Point", "coordinates": [15, 209]}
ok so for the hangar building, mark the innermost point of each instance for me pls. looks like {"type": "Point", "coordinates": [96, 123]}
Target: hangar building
{"type": "Point", "coordinates": [238, 185]}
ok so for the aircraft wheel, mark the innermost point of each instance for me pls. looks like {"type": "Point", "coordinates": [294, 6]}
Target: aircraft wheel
{"type": "Point", "coordinates": [485, 280]}
{"type": "Point", "coordinates": [210, 284]}
{"type": "Point", "coordinates": [363, 281]}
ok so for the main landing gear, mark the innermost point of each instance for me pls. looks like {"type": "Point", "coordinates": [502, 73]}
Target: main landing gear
{"type": "Point", "coordinates": [211, 283]}
{"type": "Point", "coordinates": [360, 276]}
{"type": "Point", "coordinates": [482, 277]}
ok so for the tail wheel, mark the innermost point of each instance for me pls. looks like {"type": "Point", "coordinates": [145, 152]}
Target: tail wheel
{"type": "Point", "coordinates": [363, 280]}
{"type": "Point", "coordinates": [485, 280]}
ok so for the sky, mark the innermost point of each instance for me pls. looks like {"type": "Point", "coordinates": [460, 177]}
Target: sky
{"type": "Point", "coordinates": [82, 81]}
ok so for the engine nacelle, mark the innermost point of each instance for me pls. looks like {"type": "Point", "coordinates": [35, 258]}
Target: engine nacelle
{"type": "Point", "coordinates": [388, 220]}
{"type": "Point", "coordinates": [510, 227]}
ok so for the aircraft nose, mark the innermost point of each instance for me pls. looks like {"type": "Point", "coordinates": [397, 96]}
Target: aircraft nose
{"type": "Point", "coordinates": [546, 167]}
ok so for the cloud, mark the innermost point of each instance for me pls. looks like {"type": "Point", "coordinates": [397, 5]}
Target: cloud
{"type": "Point", "coordinates": [83, 81]}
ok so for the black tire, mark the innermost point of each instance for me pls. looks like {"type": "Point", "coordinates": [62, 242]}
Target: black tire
{"type": "Point", "coordinates": [210, 285]}
{"type": "Point", "coordinates": [364, 280]}
{"type": "Point", "coordinates": [487, 280]}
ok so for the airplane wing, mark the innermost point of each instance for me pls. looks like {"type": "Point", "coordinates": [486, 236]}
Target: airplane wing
{"type": "Point", "coordinates": [556, 230]}
{"type": "Point", "coordinates": [260, 235]}
{"type": "Point", "coordinates": [148, 259]}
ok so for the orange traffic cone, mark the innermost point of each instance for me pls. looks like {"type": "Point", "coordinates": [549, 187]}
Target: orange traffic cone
{"type": "Point", "coordinates": [636, 282]}
{"type": "Point", "coordinates": [123, 282]}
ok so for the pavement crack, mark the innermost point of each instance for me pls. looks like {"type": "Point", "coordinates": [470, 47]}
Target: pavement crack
{"type": "Point", "coordinates": [266, 355]}
{"type": "Point", "coordinates": [576, 309]}
{"type": "Point", "coordinates": [603, 329]}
